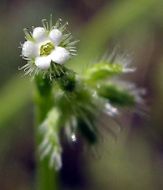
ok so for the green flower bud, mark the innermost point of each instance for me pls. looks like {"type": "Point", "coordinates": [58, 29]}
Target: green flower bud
{"type": "Point", "coordinates": [116, 95]}
{"type": "Point", "coordinates": [68, 81]}
{"type": "Point", "coordinates": [103, 70]}
{"type": "Point", "coordinates": [50, 145]}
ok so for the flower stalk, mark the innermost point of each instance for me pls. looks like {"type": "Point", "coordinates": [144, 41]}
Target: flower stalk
{"type": "Point", "coordinates": [46, 177]}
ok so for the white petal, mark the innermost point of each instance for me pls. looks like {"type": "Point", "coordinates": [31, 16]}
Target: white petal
{"type": "Point", "coordinates": [43, 62]}
{"type": "Point", "coordinates": [29, 49]}
{"type": "Point", "coordinates": [56, 36]}
{"type": "Point", "coordinates": [60, 55]}
{"type": "Point", "coordinates": [39, 34]}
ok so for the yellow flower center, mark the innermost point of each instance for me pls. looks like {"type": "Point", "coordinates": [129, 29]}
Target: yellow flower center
{"type": "Point", "coordinates": [46, 49]}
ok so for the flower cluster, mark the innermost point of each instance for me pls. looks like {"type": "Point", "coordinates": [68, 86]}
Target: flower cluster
{"type": "Point", "coordinates": [79, 101]}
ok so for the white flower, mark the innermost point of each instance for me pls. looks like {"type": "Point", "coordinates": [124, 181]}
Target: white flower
{"type": "Point", "coordinates": [46, 45]}
{"type": "Point", "coordinates": [45, 48]}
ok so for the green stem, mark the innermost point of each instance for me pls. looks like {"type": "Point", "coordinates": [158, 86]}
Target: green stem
{"type": "Point", "coordinates": [46, 177]}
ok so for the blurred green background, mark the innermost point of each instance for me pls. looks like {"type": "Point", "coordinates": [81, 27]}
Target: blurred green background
{"type": "Point", "coordinates": [135, 160]}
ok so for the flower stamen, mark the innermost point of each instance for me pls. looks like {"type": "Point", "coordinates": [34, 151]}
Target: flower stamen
{"type": "Point", "coordinates": [46, 49]}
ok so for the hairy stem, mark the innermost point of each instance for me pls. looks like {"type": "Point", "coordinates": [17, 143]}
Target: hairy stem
{"type": "Point", "coordinates": [46, 177]}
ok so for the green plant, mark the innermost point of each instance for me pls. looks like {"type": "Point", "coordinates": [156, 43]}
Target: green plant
{"type": "Point", "coordinates": [66, 100]}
